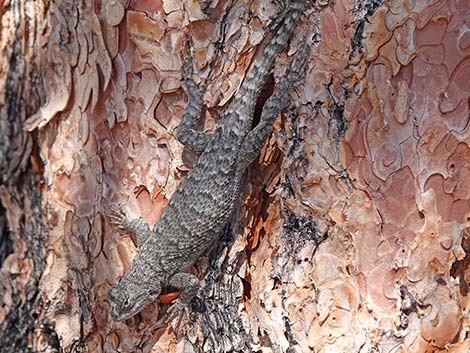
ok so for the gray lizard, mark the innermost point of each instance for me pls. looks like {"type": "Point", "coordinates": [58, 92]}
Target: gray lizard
{"type": "Point", "coordinates": [203, 203]}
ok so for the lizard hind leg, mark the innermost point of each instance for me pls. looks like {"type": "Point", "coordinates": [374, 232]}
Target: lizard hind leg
{"type": "Point", "coordinates": [257, 137]}
{"type": "Point", "coordinates": [188, 284]}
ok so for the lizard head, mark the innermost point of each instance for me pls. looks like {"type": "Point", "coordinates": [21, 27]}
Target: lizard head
{"type": "Point", "coordinates": [127, 298]}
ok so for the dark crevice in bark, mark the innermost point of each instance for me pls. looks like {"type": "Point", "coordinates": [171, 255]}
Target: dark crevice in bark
{"type": "Point", "coordinates": [337, 125]}
{"type": "Point", "coordinates": [5, 241]}
{"type": "Point", "coordinates": [18, 329]}
{"type": "Point", "coordinates": [364, 10]}
{"type": "Point", "coordinates": [19, 193]}
{"type": "Point", "coordinates": [266, 92]}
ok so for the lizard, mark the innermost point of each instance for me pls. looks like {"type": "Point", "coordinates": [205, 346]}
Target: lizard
{"type": "Point", "coordinates": [202, 204]}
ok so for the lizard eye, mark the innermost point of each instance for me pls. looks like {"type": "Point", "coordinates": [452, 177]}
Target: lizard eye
{"type": "Point", "coordinates": [127, 302]}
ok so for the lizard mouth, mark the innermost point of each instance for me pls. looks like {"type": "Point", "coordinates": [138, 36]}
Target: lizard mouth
{"type": "Point", "coordinates": [117, 315]}
{"type": "Point", "coordinates": [122, 313]}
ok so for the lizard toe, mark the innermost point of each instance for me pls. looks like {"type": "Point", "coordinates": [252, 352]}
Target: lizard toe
{"type": "Point", "coordinates": [118, 218]}
{"type": "Point", "coordinates": [176, 313]}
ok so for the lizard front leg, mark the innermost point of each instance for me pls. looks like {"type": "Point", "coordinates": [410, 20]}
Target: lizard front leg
{"type": "Point", "coordinates": [138, 227]}
{"type": "Point", "coordinates": [188, 284]}
{"type": "Point", "coordinates": [187, 133]}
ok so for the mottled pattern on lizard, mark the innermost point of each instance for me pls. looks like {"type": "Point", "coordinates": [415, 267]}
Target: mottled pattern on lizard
{"type": "Point", "coordinates": [204, 201]}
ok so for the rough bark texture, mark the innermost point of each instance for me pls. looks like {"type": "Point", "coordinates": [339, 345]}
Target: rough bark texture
{"type": "Point", "coordinates": [353, 232]}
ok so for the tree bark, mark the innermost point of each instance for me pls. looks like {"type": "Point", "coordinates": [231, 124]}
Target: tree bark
{"type": "Point", "coordinates": [352, 231]}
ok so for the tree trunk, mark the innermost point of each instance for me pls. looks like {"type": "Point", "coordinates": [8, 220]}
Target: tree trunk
{"type": "Point", "coordinates": [353, 229]}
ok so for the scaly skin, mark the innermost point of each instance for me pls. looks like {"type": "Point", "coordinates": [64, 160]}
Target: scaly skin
{"type": "Point", "coordinates": [204, 201]}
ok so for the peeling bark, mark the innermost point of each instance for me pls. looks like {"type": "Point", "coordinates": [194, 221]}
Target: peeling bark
{"type": "Point", "coordinates": [22, 224]}
{"type": "Point", "coordinates": [352, 231]}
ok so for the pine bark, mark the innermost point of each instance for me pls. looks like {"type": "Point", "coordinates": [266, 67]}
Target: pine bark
{"type": "Point", "coordinates": [352, 231]}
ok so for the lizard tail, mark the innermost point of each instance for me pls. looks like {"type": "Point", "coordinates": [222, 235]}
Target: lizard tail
{"type": "Point", "coordinates": [257, 76]}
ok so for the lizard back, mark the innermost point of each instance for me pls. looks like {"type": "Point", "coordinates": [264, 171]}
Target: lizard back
{"type": "Point", "coordinates": [203, 202]}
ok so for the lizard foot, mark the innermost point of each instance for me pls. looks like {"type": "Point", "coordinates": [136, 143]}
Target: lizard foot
{"type": "Point", "coordinates": [174, 315]}
{"type": "Point", "coordinates": [139, 229]}
{"type": "Point", "coordinates": [176, 312]}
{"type": "Point", "coordinates": [118, 218]}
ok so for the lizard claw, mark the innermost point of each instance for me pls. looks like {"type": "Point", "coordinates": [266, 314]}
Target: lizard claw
{"type": "Point", "coordinates": [118, 218]}
{"type": "Point", "coordinates": [176, 312]}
